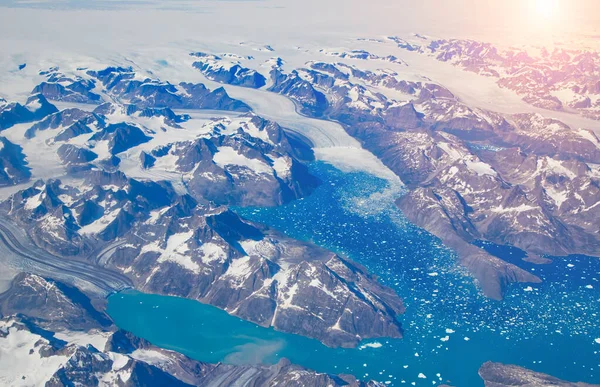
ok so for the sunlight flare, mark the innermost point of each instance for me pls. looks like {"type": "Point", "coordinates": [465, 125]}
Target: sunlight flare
{"type": "Point", "coordinates": [546, 9]}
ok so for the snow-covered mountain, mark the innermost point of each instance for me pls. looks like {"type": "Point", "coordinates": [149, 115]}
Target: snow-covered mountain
{"type": "Point", "coordinates": [150, 160]}
{"type": "Point", "coordinates": [214, 256]}
{"type": "Point", "coordinates": [465, 166]}
{"type": "Point", "coordinates": [52, 328]}
{"type": "Point", "coordinates": [556, 79]}
{"type": "Point", "coordinates": [121, 171]}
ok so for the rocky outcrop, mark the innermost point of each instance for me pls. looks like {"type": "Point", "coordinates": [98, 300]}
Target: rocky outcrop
{"type": "Point", "coordinates": [56, 338]}
{"type": "Point", "coordinates": [74, 155]}
{"type": "Point", "coordinates": [310, 101]}
{"type": "Point", "coordinates": [59, 87]}
{"type": "Point", "coordinates": [13, 165]}
{"type": "Point", "coordinates": [246, 161]}
{"type": "Point", "coordinates": [120, 137]}
{"type": "Point", "coordinates": [77, 92]}
{"type": "Point", "coordinates": [36, 108]}
{"type": "Point", "coordinates": [51, 305]}
{"type": "Point", "coordinates": [169, 116]}
{"type": "Point", "coordinates": [280, 374]}
{"type": "Point", "coordinates": [503, 375]}
{"type": "Point", "coordinates": [72, 122]}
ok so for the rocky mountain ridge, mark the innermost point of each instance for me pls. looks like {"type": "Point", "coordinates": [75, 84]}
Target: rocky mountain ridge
{"type": "Point", "coordinates": [50, 335]}
{"type": "Point", "coordinates": [561, 79]}
{"type": "Point", "coordinates": [208, 253]}
{"type": "Point", "coordinates": [463, 185]}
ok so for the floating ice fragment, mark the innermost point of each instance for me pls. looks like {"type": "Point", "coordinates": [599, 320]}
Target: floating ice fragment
{"type": "Point", "coordinates": [370, 345]}
{"type": "Point", "coordinates": [597, 341]}
{"type": "Point", "coordinates": [422, 376]}
{"type": "Point", "coordinates": [450, 331]}
{"type": "Point", "coordinates": [467, 339]}
{"type": "Point", "coordinates": [445, 338]}
{"type": "Point", "coordinates": [528, 289]}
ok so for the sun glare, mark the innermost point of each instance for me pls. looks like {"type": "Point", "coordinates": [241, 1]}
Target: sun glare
{"type": "Point", "coordinates": [547, 9]}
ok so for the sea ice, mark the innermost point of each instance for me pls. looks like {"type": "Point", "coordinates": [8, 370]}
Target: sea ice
{"type": "Point", "coordinates": [370, 345]}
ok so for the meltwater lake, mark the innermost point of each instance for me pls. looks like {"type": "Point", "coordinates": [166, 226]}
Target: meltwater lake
{"type": "Point", "coordinates": [450, 328]}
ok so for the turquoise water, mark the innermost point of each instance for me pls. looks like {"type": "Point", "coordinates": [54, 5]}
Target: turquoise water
{"type": "Point", "coordinates": [450, 329]}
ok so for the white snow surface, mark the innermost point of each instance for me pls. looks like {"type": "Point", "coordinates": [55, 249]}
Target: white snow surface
{"type": "Point", "coordinates": [18, 362]}
{"type": "Point", "coordinates": [97, 339]}
{"type": "Point", "coordinates": [229, 156]}
{"type": "Point", "coordinates": [100, 224]}
{"type": "Point", "coordinates": [176, 250]}
{"type": "Point", "coordinates": [211, 252]}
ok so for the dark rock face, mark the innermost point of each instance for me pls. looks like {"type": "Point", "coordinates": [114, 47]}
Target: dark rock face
{"type": "Point", "coordinates": [71, 154]}
{"type": "Point", "coordinates": [403, 117]}
{"type": "Point", "coordinates": [147, 160]}
{"type": "Point", "coordinates": [120, 137]}
{"type": "Point", "coordinates": [39, 107]}
{"type": "Point", "coordinates": [311, 101]}
{"type": "Point", "coordinates": [503, 375]}
{"type": "Point", "coordinates": [106, 108]}
{"type": "Point", "coordinates": [14, 113]}
{"type": "Point", "coordinates": [125, 342]}
{"type": "Point", "coordinates": [73, 121]}
{"type": "Point", "coordinates": [52, 305]}
{"type": "Point", "coordinates": [201, 98]}
{"type": "Point", "coordinates": [280, 374]}
{"type": "Point", "coordinates": [36, 108]}
{"type": "Point", "coordinates": [75, 92]}
{"type": "Point", "coordinates": [60, 87]}
{"type": "Point", "coordinates": [170, 117]}
{"type": "Point", "coordinates": [86, 364]}
{"type": "Point", "coordinates": [13, 166]}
